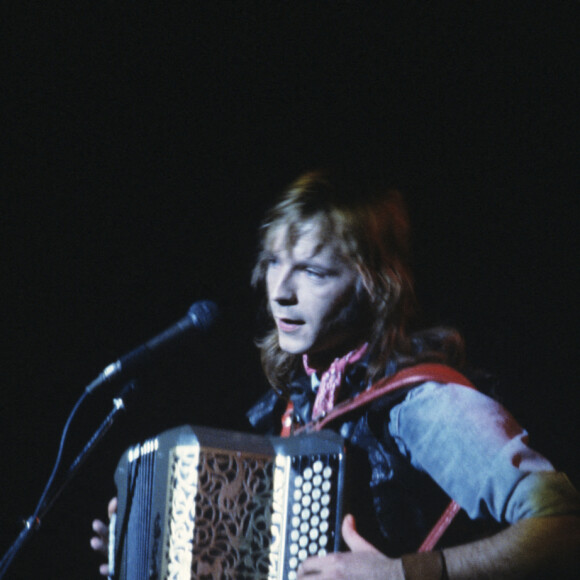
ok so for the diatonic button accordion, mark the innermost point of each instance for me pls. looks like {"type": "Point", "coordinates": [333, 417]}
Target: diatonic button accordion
{"type": "Point", "coordinates": [200, 503]}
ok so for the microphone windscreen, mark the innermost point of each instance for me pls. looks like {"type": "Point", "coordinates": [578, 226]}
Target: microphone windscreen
{"type": "Point", "coordinates": [204, 314]}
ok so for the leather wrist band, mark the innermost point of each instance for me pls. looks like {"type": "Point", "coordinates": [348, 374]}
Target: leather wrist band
{"type": "Point", "coordinates": [425, 566]}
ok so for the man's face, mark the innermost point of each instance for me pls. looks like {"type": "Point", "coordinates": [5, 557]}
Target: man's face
{"type": "Point", "coordinates": [312, 295]}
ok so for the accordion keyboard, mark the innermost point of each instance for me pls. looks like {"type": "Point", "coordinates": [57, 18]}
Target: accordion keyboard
{"type": "Point", "coordinates": [312, 513]}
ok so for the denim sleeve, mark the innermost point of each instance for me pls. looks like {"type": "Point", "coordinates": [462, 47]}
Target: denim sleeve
{"type": "Point", "coordinates": [478, 454]}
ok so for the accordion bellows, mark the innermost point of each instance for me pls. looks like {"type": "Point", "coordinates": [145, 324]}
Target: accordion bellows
{"type": "Point", "coordinates": [200, 503]}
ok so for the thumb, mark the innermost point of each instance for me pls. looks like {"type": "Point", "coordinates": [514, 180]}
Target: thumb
{"type": "Point", "coordinates": [112, 507]}
{"type": "Point", "coordinates": [351, 537]}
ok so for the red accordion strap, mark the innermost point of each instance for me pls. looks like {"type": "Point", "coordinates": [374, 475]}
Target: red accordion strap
{"type": "Point", "coordinates": [287, 420]}
{"type": "Point", "coordinates": [439, 528]}
{"type": "Point", "coordinates": [406, 377]}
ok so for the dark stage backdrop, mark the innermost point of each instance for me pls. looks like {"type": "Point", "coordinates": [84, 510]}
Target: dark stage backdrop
{"type": "Point", "coordinates": [140, 147]}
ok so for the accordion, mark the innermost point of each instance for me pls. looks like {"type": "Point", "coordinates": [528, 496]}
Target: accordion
{"type": "Point", "coordinates": [200, 503]}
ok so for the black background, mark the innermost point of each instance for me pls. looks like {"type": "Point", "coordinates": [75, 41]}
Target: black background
{"type": "Point", "coordinates": [141, 144]}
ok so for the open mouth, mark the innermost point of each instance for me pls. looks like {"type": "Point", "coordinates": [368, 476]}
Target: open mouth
{"type": "Point", "coordinates": [289, 324]}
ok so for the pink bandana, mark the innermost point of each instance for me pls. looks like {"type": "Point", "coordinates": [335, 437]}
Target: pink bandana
{"type": "Point", "coordinates": [331, 380]}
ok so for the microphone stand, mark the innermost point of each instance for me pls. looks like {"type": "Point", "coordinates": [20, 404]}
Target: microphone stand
{"type": "Point", "coordinates": [33, 522]}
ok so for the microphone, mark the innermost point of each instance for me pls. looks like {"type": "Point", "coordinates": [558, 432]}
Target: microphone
{"type": "Point", "coordinates": [199, 320]}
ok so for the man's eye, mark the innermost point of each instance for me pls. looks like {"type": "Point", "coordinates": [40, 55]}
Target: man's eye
{"type": "Point", "coordinates": [314, 273]}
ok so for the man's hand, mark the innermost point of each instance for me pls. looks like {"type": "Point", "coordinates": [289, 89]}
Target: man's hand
{"type": "Point", "coordinates": [363, 561]}
{"type": "Point", "coordinates": [100, 542]}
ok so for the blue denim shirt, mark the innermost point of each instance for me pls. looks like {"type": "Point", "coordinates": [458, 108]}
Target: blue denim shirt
{"type": "Point", "coordinates": [478, 454]}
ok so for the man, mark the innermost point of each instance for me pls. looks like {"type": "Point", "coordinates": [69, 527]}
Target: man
{"type": "Point", "coordinates": [334, 265]}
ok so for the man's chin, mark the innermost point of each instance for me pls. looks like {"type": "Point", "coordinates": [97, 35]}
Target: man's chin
{"type": "Point", "coordinates": [292, 347]}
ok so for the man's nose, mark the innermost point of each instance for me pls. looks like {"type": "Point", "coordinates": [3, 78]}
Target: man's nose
{"type": "Point", "coordinates": [284, 291]}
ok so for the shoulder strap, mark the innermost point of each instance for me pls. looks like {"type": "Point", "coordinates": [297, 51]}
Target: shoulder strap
{"type": "Point", "coordinates": [406, 377]}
